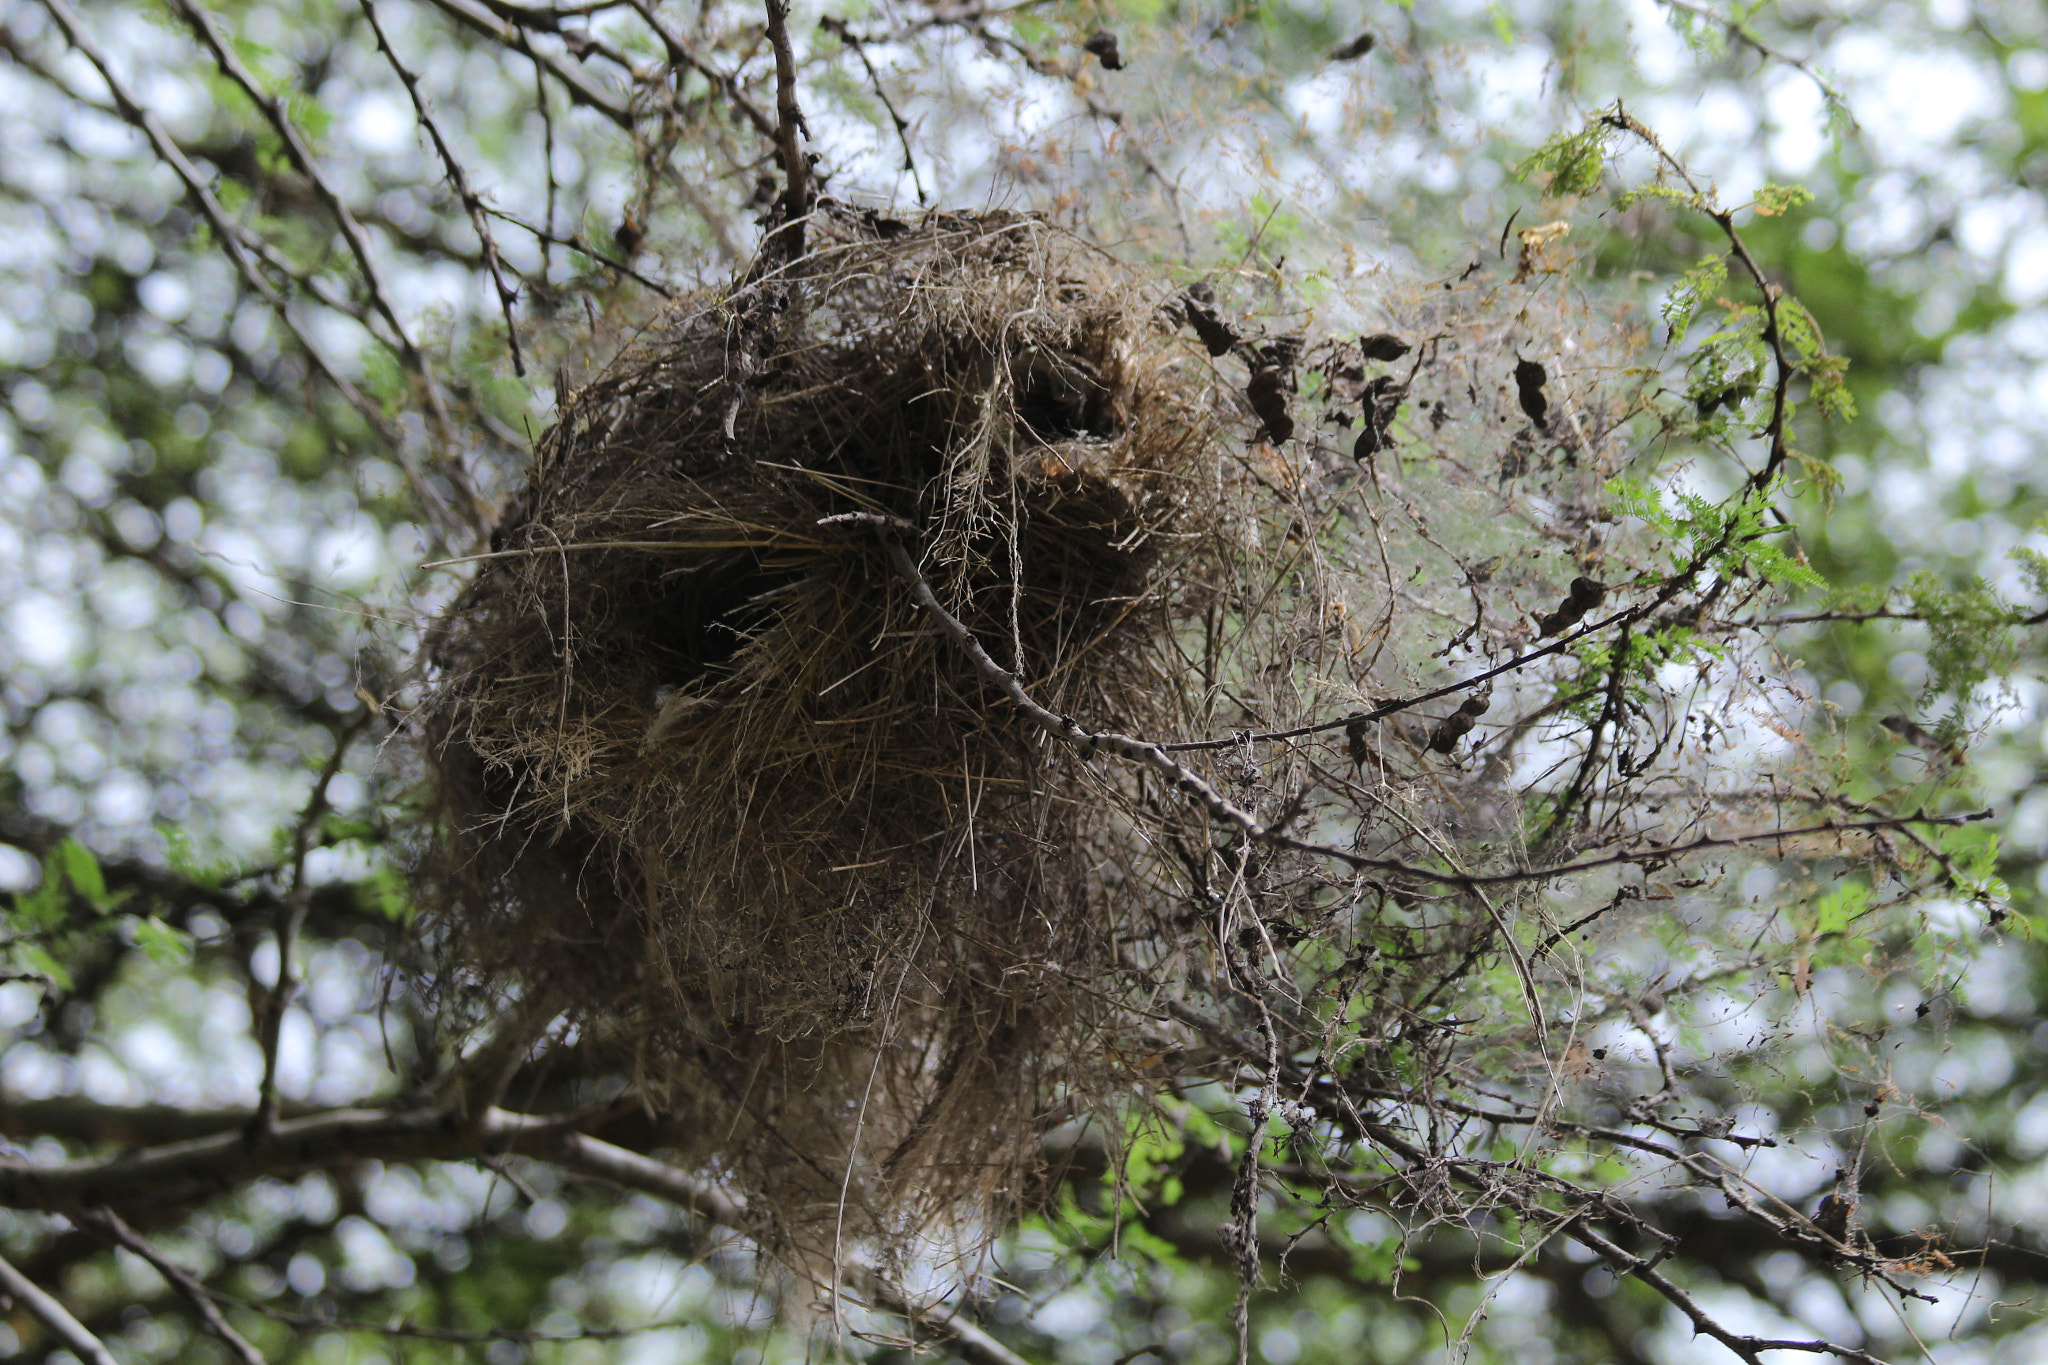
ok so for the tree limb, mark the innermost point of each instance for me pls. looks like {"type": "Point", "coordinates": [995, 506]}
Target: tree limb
{"type": "Point", "coordinates": [54, 1317]}
{"type": "Point", "coordinates": [109, 1225]}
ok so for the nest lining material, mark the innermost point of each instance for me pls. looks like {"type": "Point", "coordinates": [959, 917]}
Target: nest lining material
{"type": "Point", "coordinates": [716, 788]}
{"type": "Point", "coordinates": [714, 782]}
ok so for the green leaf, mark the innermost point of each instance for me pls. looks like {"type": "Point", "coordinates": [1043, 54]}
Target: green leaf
{"type": "Point", "coordinates": [161, 942]}
{"type": "Point", "coordinates": [385, 892]}
{"type": "Point", "coordinates": [1773, 200]}
{"type": "Point", "coordinates": [1695, 288]}
{"type": "Point", "coordinates": [37, 959]}
{"type": "Point", "coordinates": [1573, 162]}
{"type": "Point", "coordinates": [42, 908]}
{"type": "Point", "coordinates": [81, 869]}
{"type": "Point", "coordinates": [1835, 911]}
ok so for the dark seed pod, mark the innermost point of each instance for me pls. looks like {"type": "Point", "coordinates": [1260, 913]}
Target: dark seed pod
{"type": "Point", "coordinates": [1449, 731]}
{"type": "Point", "coordinates": [1356, 48]}
{"type": "Point", "coordinates": [1268, 394]}
{"type": "Point", "coordinates": [1584, 596]}
{"type": "Point", "coordinates": [1355, 742]}
{"type": "Point", "coordinates": [1103, 44]}
{"type": "Point", "coordinates": [1282, 352]}
{"type": "Point", "coordinates": [628, 234]}
{"type": "Point", "coordinates": [1383, 346]}
{"type": "Point", "coordinates": [1381, 400]}
{"type": "Point", "coordinates": [1529, 381]}
{"type": "Point", "coordinates": [1217, 335]}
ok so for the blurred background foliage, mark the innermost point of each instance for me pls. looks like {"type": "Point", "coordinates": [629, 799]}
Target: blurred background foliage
{"type": "Point", "coordinates": [213, 507]}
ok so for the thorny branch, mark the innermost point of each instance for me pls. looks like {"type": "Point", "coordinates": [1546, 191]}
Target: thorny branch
{"type": "Point", "coordinates": [1193, 785]}
{"type": "Point", "coordinates": [1735, 27]}
{"type": "Point", "coordinates": [789, 125]}
{"type": "Point", "coordinates": [1421, 1168]}
{"type": "Point", "coordinates": [840, 29]}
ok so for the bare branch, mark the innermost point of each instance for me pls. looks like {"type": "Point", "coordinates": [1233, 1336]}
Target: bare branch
{"type": "Point", "coordinates": [1741, 32]}
{"type": "Point", "coordinates": [55, 1318]}
{"type": "Point", "coordinates": [789, 122]}
{"type": "Point", "coordinates": [298, 899]}
{"type": "Point", "coordinates": [108, 1224]}
{"type": "Point", "coordinates": [181, 1172]}
{"type": "Point", "coordinates": [1191, 784]}
{"type": "Point", "coordinates": [458, 180]}
{"type": "Point", "coordinates": [844, 32]}
{"type": "Point", "coordinates": [680, 53]}
{"type": "Point", "coordinates": [303, 160]}
{"type": "Point", "coordinates": [582, 90]}
{"type": "Point", "coordinates": [210, 208]}
{"type": "Point", "coordinates": [576, 243]}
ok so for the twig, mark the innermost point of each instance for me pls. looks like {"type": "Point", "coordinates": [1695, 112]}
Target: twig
{"type": "Point", "coordinates": [302, 159]}
{"type": "Point", "coordinates": [1185, 780]}
{"type": "Point", "coordinates": [108, 1224]}
{"type": "Point", "coordinates": [970, 1341]}
{"type": "Point", "coordinates": [231, 238]}
{"type": "Point", "coordinates": [180, 1172]}
{"type": "Point", "coordinates": [680, 53]}
{"type": "Point", "coordinates": [1744, 34]}
{"type": "Point", "coordinates": [575, 242]}
{"type": "Point", "coordinates": [789, 122]}
{"type": "Point", "coordinates": [890, 530]}
{"type": "Point", "coordinates": [839, 29]}
{"type": "Point", "coordinates": [1773, 335]}
{"type": "Point", "coordinates": [499, 28]}
{"type": "Point", "coordinates": [262, 1127]}
{"type": "Point", "coordinates": [54, 1316]}
{"type": "Point", "coordinates": [1424, 1165]}
{"type": "Point", "coordinates": [304, 1322]}
{"type": "Point", "coordinates": [977, 25]}
{"type": "Point", "coordinates": [472, 203]}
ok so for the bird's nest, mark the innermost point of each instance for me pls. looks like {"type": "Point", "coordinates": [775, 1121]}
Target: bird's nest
{"type": "Point", "coordinates": [721, 795]}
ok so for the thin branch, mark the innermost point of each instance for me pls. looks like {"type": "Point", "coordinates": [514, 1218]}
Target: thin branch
{"type": "Point", "coordinates": [976, 23]}
{"type": "Point", "coordinates": [108, 1225]}
{"type": "Point", "coordinates": [55, 1318]}
{"type": "Point", "coordinates": [263, 1126]}
{"type": "Point", "coordinates": [890, 530]}
{"type": "Point", "coordinates": [575, 242]}
{"type": "Point", "coordinates": [680, 53]}
{"type": "Point", "coordinates": [302, 159]}
{"type": "Point", "coordinates": [458, 180]}
{"type": "Point", "coordinates": [1773, 334]}
{"type": "Point", "coordinates": [230, 236]}
{"type": "Point", "coordinates": [839, 29]}
{"type": "Point", "coordinates": [789, 122]}
{"type": "Point", "coordinates": [1748, 37]}
{"type": "Point", "coordinates": [302, 1322]}
{"type": "Point", "coordinates": [1065, 728]}
{"type": "Point", "coordinates": [582, 90]}
{"type": "Point", "coordinates": [182, 1172]}
{"type": "Point", "coordinates": [1427, 1166]}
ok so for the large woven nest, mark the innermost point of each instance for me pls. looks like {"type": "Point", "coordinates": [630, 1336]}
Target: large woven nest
{"type": "Point", "coordinates": [721, 791]}
{"type": "Point", "coordinates": [722, 795]}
